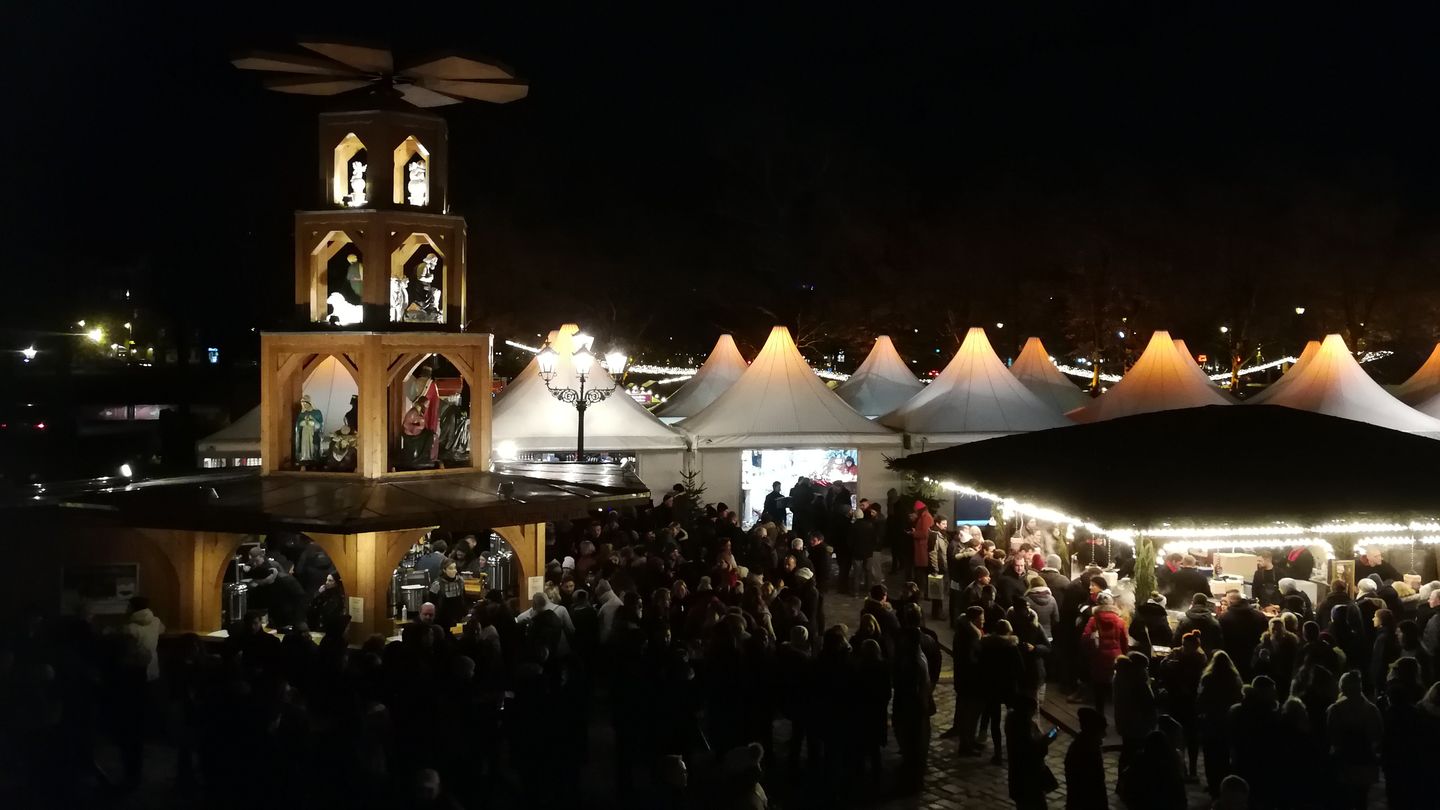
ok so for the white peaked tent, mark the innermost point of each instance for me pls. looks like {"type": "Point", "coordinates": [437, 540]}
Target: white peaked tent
{"type": "Point", "coordinates": [1195, 364]}
{"type": "Point", "coordinates": [1311, 349]}
{"type": "Point", "coordinates": [1423, 384]}
{"type": "Point", "coordinates": [530, 417]}
{"type": "Point", "coordinates": [779, 402]}
{"type": "Point", "coordinates": [1162, 379]}
{"type": "Point", "coordinates": [882, 383]}
{"type": "Point", "coordinates": [722, 368]}
{"type": "Point", "coordinates": [1333, 383]}
{"type": "Point", "coordinates": [1037, 372]}
{"type": "Point", "coordinates": [238, 440]}
{"type": "Point", "coordinates": [975, 394]}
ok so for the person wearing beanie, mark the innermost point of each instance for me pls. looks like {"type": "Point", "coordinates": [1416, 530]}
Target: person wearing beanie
{"type": "Point", "coordinates": [1200, 618]}
{"type": "Point", "coordinates": [1105, 638]}
{"type": "Point", "coordinates": [1085, 764]}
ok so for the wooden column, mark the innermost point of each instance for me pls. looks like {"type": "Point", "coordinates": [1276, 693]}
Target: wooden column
{"type": "Point", "coordinates": [372, 449]}
{"type": "Point", "coordinates": [528, 542]}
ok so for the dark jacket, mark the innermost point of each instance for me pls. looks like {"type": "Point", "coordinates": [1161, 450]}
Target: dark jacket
{"type": "Point", "coordinates": [1184, 584]}
{"type": "Point", "coordinates": [864, 538]}
{"type": "Point", "coordinates": [1241, 627]}
{"type": "Point", "coordinates": [1085, 774]}
{"type": "Point", "coordinates": [1000, 667]}
{"type": "Point", "coordinates": [1047, 612]}
{"type": "Point", "coordinates": [1153, 622]}
{"type": "Point", "coordinates": [1028, 777]}
{"type": "Point", "coordinates": [965, 650]}
{"type": "Point", "coordinates": [884, 615]}
{"type": "Point", "coordinates": [1201, 619]}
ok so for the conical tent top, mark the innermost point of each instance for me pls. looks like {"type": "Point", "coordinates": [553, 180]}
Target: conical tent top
{"type": "Point", "coordinates": [974, 394]}
{"type": "Point", "coordinates": [1424, 383]}
{"type": "Point", "coordinates": [779, 402]}
{"type": "Point", "coordinates": [881, 383]}
{"type": "Point", "coordinates": [720, 371]}
{"type": "Point", "coordinates": [1162, 379]}
{"type": "Point", "coordinates": [1311, 349]}
{"type": "Point", "coordinates": [1333, 383]}
{"type": "Point", "coordinates": [1037, 372]}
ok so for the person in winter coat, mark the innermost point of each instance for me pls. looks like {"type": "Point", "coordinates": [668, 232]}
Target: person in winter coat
{"type": "Point", "coordinates": [1001, 668]}
{"type": "Point", "coordinates": [328, 604]}
{"type": "Point", "coordinates": [1179, 675]}
{"type": "Point", "coordinates": [1408, 749]}
{"type": "Point", "coordinates": [1253, 723]}
{"type": "Point", "coordinates": [1294, 600]}
{"type": "Point", "coordinates": [1200, 618]}
{"type": "Point", "coordinates": [1085, 764]}
{"type": "Point", "coordinates": [1154, 779]}
{"type": "Point", "coordinates": [145, 629]}
{"type": "Point", "coordinates": [1150, 625]}
{"type": "Point", "coordinates": [919, 560]}
{"type": "Point", "coordinates": [865, 537]}
{"type": "Point", "coordinates": [872, 682]}
{"type": "Point", "coordinates": [1355, 728]}
{"type": "Point", "coordinates": [1042, 601]}
{"type": "Point", "coordinates": [1010, 585]}
{"type": "Point", "coordinates": [969, 702]}
{"type": "Point", "coordinates": [1136, 712]}
{"type": "Point", "coordinates": [1283, 649]}
{"type": "Point", "coordinates": [1220, 688]}
{"type": "Point", "coordinates": [1241, 626]}
{"type": "Point", "coordinates": [1034, 649]}
{"type": "Point", "coordinates": [1185, 583]}
{"type": "Point", "coordinates": [1105, 640]}
{"type": "Point", "coordinates": [1383, 651]}
{"type": "Point", "coordinates": [914, 704]}
{"type": "Point", "coordinates": [878, 605]}
{"type": "Point", "coordinates": [1028, 777]}
{"type": "Point", "coordinates": [939, 565]}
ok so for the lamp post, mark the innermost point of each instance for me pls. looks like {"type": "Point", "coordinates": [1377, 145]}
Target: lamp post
{"type": "Point", "coordinates": [582, 398]}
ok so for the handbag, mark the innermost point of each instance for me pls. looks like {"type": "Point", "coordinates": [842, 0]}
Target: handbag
{"type": "Point", "coordinates": [935, 587]}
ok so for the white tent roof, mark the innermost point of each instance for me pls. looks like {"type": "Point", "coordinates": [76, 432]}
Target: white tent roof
{"type": "Point", "coordinates": [1424, 383]}
{"type": "Point", "coordinates": [1037, 372]}
{"type": "Point", "coordinates": [975, 393]}
{"type": "Point", "coordinates": [528, 415]}
{"type": "Point", "coordinates": [779, 402]}
{"type": "Point", "coordinates": [1162, 379]}
{"type": "Point", "coordinates": [1311, 349]}
{"type": "Point", "coordinates": [239, 436]}
{"type": "Point", "coordinates": [1333, 383]}
{"type": "Point", "coordinates": [722, 368]}
{"type": "Point", "coordinates": [882, 383]}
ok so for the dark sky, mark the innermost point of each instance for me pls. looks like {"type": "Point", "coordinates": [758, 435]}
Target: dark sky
{"type": "Point", "coordinates": [685, 168]}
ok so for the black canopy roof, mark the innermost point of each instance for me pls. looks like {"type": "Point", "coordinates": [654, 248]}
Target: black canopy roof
{"type": "Point", "coordinates": [248, 502]}
{"type": "Point", "coordinates": [1219, 464]}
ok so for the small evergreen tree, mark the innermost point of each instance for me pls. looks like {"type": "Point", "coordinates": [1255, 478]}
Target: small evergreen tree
{"type": "Point", "coordinates": [1144, 569]}
{"type": "Point", "coordinates": [693, 508]}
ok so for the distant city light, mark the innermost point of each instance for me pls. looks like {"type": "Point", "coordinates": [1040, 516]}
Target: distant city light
{"type": "Point", "coordinates": [1224, 329]}
{"type": "Point", "coordinates": [96, 335]}
{"type": "Point", "coordinates": [1299, 310]}
{"type": "Point", "coordinates": [126, 472]}
{"type": "Point", "coordinates": [999, 325]}
{"type": "Point", "coordinates": [1121, 333]}
{"type": "Point", "coordinates": [29, 353]}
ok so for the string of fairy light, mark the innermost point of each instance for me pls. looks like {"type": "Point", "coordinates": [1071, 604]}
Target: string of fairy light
{"type": "Point", "coordinates": [1221, 537]}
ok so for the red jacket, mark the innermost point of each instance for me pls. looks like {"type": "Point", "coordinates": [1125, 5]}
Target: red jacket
{"type": "Point", "coordinates": [920, 534]}
{"type": "Point", "coordinates": [1111, 642]}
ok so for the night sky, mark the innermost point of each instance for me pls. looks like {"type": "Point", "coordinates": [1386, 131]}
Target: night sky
{"type": "Point", "coordinates": [846, 169]}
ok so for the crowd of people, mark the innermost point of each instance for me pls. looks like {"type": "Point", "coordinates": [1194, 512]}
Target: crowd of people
{"type": "Point", "coordinates": [706, 651]}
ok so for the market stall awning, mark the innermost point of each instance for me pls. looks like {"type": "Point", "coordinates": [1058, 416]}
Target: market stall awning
{"type": "Point", "coordinates": [251, 503]}
{"type": "Point", "coordinates": [1204, 466]}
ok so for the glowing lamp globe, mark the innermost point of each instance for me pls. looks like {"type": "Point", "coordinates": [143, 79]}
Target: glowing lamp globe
{"type": "Point", "coordinates": [615, 361]}
{"type": "Point", "coordinates": [547, 359]}
{"type": "Point", "coordinates": [584, 361]}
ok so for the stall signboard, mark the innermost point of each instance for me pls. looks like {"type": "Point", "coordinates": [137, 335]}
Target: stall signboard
{"type": "Point", "coordinates": [534, 585]}
{"type": "Point", "coordinates": [1343, 569]}
{"type": "Point", "coordinates": [98, 589]}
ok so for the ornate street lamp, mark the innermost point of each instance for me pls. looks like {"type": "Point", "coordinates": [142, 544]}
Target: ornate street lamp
{"type": "Point", "coordinates": [581, 397]}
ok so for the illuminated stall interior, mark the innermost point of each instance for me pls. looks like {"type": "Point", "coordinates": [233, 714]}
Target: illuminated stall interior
{"type": "Point", "coordinates": [1217, 480]}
